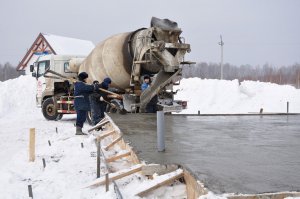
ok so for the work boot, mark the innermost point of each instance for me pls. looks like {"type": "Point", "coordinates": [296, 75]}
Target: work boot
{"type": "Point", "coordinates": [99, 129]}
{"type": "Point", "coordinates": [79, 131]}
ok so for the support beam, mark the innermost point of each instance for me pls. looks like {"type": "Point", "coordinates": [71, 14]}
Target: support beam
{"type": "Point", "coordinates": [119, 156]}
{"type": "Point", "coordinates": [116, 175]}
{"type": "Point", "coordinates": [98, 125]}
{"type": "Point", "coordinates": [161, 182]}
{"type": "Point", "coordinates": [113, 143]}
{"type": "Point", "coordinates": [104, 135]}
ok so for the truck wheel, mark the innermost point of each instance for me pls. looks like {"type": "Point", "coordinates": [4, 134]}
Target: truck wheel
{"type": "Point", "coordinates": [49, 109]}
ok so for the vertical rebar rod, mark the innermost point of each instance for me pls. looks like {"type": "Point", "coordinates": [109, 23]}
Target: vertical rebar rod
{"type": "Point", "coordinates": [98, 158]}
{"type": "Point", "coordinates": [30, 191]}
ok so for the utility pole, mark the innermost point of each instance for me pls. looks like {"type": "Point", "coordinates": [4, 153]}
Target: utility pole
{"type": "Point", "coordinates": [221, 43]}
{"type": "Point", "coordinates": [298, 80]}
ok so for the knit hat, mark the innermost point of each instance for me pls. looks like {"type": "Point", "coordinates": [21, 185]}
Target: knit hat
{"type": "Point", "coordinates": [82, 76]}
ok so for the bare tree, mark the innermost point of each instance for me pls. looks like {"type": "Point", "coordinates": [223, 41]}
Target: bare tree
{"type": "Point", "coordinates": [266, 73]}
{"type": "Point", "coordinates": [7, 71]}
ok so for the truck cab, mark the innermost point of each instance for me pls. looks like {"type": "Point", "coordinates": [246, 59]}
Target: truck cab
{"type": "Point", "coordinates": [50, 90]}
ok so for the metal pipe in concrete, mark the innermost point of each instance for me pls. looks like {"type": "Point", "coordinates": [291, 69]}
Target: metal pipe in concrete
{"type": "Point", "coordinates": [160, 131]}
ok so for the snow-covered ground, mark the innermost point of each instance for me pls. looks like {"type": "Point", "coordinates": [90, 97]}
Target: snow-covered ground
{"type": "Point", "coordinates": [69, 166]}
{"type": "Point", "coordinates": [211, 96]}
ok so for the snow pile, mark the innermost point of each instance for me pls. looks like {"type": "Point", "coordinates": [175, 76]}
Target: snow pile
{"type": "Point", "coordinates": [18, 95]}
{"type": "Point", "coordinates": [222, 96]}
{"type": "Point", "coordinates": [204, 95]}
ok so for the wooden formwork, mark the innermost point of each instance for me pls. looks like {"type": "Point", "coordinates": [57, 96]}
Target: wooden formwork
{"type": "Point", "coordinates": [194, 188]}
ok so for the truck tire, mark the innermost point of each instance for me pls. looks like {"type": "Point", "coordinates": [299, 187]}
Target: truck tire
{"type": "Point", "coordinates": [49, 109]}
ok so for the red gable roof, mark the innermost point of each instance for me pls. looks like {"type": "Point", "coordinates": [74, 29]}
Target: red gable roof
{"type": "Point", "coordinates": [40, 45]}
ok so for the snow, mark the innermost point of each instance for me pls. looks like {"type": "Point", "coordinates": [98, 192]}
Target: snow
{"type": "Point", "coordinates": [211, 96]}
{"type": "Point", "coordinates": [69, 166]}
{"type": "Point", "coordinates": [18, 96]}
{"type": "Point", "coordinates": [211, 195]}
{"type": "Point", "coordinates": [69, 46]}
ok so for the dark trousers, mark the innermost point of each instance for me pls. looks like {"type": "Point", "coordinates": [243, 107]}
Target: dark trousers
{"type": "Point", "coordinates": [81, 117]}
{"type": "Point", "coordinates": [97, 110]}
{"type": "Point", "coordinates": [152, 105]}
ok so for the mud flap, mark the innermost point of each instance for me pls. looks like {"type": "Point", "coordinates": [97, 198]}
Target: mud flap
{"type": "Point", "coordinates": [161, 80]}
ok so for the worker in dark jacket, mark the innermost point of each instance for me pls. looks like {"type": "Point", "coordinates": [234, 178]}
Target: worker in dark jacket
{"type": "Point", "coordinates": [81, 102]}
{"type": "Point", "coordinates": [151, 107]}
{"type": "Point", "coordinates": [98, 105]}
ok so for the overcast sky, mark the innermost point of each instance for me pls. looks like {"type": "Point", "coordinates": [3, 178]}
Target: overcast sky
{"type": "Point", "coordinates": [254, 31]}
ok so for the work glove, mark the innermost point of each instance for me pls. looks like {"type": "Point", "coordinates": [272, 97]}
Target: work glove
{"type": "Point", "coordinates": [101, 99]}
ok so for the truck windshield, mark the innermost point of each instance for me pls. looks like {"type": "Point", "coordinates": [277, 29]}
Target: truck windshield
{"type": "Point", "coordinates": [42, 67]}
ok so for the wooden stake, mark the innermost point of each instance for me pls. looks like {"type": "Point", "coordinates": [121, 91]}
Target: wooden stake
{"type": "Point", "coordinates": [32, 145]}
{"type": "Point", "coordinates": [49, 142]}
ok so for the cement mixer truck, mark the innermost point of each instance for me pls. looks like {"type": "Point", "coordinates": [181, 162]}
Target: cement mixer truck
{"type": "Point", "coordinates": [157, 51]}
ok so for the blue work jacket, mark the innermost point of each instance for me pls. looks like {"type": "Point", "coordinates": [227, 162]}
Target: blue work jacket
{"type": "Point", "coordinates": [81, 93]}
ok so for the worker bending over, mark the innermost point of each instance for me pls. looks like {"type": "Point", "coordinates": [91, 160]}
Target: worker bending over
{"type": "Point", "coordinates": [97, 99]}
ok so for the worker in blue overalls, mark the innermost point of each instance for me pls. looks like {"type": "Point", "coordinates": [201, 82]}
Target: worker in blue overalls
{"type": "Point", "coordinates": [152, 105]}
{"type": "Point", "coordinates": [82, 90]}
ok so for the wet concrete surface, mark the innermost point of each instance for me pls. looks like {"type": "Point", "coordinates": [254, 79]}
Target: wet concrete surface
{"type": "Point", "coordinates": [240, 154]}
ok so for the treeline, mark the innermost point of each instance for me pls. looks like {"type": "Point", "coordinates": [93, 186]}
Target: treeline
{"type": "Point", "coordinates": [266, 73]}
{"type": "Point", "coordinates": [7, 71]}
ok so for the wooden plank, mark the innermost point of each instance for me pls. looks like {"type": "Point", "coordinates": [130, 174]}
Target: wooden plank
{"type": "Point", "coordinates": [103, 135]}
{"type": "Point", "coordinates": [113, 143]}
{"type": "Point", "coordinates": [194, 188]}
{"type": "Point", "coordinates": [116, 157]}
{"type": "Point", "coordinates": [32, 145]}
{"type": "Point", "coordinates": [98, 125]}
{"type": "Point", "coordinates": [116, 175]}
{"type": "Point", "coordinates": [161, 182]}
